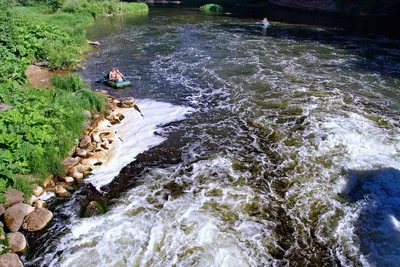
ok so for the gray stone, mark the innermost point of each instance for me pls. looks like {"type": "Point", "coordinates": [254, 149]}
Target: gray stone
{"type": "Point", "coordinates": [85, 141]}
{"type": "Point", "coordinates": [37, 220]}
{"type": "Point", "coordinates": [10, 260]}
{"type": "Point", "coordinates": [128, 102]}
{"type": "Point", "coordinates": [68, 163]}
{"type": "Point", "coordinates": [87, 113]}
{"type": "Point", "coordinates": [81, 153]}
{"type": "Point", "coordinates": [14, 216]}
{"type": "Point", "coordinates": [13, 196]}
{"type": "Point", "coordinates": [17, 242]}
{"type": "Point", "coordinates": [4, 107]}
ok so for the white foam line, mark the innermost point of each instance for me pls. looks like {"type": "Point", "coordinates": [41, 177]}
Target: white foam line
{"type": "Point", "coordinates": [137, 134]}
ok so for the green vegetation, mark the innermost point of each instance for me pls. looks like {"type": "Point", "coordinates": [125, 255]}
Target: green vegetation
{"type": "Point", "coordinates": [212, 8]}
{"type": "Point", "coordinates": [96, 8]}
{"type": "Point", "coordinates": [40, 126]}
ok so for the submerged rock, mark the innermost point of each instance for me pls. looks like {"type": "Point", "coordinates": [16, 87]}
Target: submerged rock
{"type": "Point", "coordinates": [93, 208]}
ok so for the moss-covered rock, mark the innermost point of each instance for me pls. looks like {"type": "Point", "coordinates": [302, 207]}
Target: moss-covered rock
{"type": "Point", "coordinates": [94, 208]}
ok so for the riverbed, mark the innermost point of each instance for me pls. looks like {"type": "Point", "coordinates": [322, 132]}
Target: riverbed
{"type": "Point", "coordinates": [258, 147]}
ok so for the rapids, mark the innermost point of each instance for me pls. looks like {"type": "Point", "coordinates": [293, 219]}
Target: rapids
{"type": "Point", "coordinates": [275, 147]}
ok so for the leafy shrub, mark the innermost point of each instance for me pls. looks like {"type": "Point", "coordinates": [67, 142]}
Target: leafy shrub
{"type": "Point", "coordinates": [40, 128]}
{"type": "Point", "coordinates": [212, 8]}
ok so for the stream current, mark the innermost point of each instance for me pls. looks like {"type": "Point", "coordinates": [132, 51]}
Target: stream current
{"type": "Point", "coordinates": [275, 147]}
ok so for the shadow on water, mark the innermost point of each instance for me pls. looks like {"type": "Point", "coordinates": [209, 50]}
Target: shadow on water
{"type": "Point", "coordinates": [376, 54]}
{"type": "Point", "coordinates": [376, 193]}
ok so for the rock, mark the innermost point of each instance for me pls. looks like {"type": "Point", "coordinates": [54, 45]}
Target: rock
{"type": "Point", "coordinates": [85, 141]}
{"type": "Point", "coordinates": [4, 107]}
{"type": "Point", "coordinates": [116, 101]}
{"type": "Point", "coordinates": [13, 196]}
{"type": "Point", "coordinates": [32, 199]}
{"type": "Point", "coordinates": [68, 163]}
{"type": "Point", "coordinates": [14, 216]}
{"type": "Point", "coordinates": [93, 208]}
{"type": "Point", "coordinates": [49, 184]}
{"type": "Point", "coordinates": [93, 42]}
{"type": "Point", "coordinates": [76, 174]}
{"type": "Point", "coordinates": [68, 179]}
{"type": "Point", "coordinates": [96, 137]}
{"type": "Point", "coordinates": [62, 192]}
{"type": "Point", "coordinates": [17, 242]}
{"type": "Point", "coordinates": [81, 153]}
{"type": "Point", "coordinates": [113, 119]}
{"type": "Point", "coordinates": [120, 116]}
{"type": "Point", "coordinates": [87, 113]}
{"type": "Point", "coordinates": [2, 209]}
{"type": "Point", "coordinates": [128, 102]}
{"type": "Point", "coordinates": [37, 220]}
{"type": "Point", "coordinates": [40, 204]}
{"type": "Point", "coordinates": [82, 168]}
{"type": "Point", "coordinates": [37, 190]}
{"type": "Point", "coordinates": [86, 124]}
{"type": "Point", "coordinates": [10, 260]}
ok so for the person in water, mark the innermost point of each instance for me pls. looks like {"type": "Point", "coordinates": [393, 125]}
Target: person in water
{"type": "Point", "coordinates": [115, 75]}
{"type": "Point", "coordinates": [264, 21]}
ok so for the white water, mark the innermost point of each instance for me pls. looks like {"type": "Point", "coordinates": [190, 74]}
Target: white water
{"type": "Point", "coordinates": [136, 135]}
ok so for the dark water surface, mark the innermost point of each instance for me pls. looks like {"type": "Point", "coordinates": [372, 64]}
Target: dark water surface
{"type": "Point", "coordinates": [289, 158]}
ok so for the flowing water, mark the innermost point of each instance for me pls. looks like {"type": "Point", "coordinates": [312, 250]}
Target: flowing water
{"type": "Point", "coordinates": [275, 147]}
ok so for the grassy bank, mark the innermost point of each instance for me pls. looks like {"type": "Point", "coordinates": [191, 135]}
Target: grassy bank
{"type": "Point", "coordinates": [40, 125]}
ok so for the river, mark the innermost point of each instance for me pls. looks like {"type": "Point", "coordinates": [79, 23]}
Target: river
{"type": "Point", "coordinates": [275, 147]}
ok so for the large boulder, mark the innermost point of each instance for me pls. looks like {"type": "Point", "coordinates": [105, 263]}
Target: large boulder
{"type": "Point", "coordinates": [17, 242]}
{"type": "Point", "coordinates": [10, 260]}
{"type": "Point", "coordinates": [37, 220]}
{"type": "Point", "coordinates": [14, 216]}
{"type": "Point", "coordinates": [13, 196]}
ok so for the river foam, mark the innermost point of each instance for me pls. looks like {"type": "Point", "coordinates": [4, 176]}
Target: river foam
{"type": "Point", "coordinates": [136, 135]}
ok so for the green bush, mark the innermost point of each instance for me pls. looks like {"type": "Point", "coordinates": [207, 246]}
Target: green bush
{"type": "Point", "coordinates": [40, 128]}
{"type": "Point", "coordinates": [212, 8]}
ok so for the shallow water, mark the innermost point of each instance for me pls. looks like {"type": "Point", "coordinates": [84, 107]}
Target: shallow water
{"type": "Point", "coordinates": [285, 146]}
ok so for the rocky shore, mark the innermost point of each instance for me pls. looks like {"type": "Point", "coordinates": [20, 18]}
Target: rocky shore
{"type": "Point", "coordinates": [21, 215]}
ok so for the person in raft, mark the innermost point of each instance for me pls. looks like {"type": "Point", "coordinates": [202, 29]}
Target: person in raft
{"type": "Point", "coordinates": [115, 75]}
{"type": "Point", "coordinates": [265, 22]}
